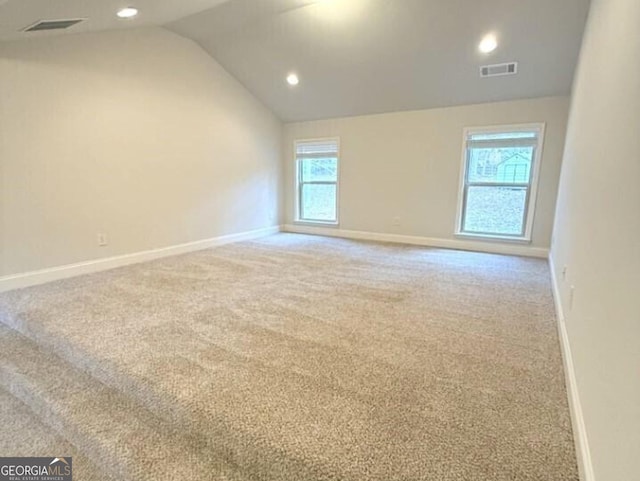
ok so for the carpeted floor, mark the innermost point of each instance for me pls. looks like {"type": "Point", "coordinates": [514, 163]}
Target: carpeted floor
{"type": "Point", "coordinates": [298, 358]}
{"type": "Point", "coordinates": [22, 434]}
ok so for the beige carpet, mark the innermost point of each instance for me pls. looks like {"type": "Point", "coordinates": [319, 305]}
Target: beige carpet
{"type": "Point", "coordinates": [22, 434]}
{"type": "Point", "coordinates": [299, 358]}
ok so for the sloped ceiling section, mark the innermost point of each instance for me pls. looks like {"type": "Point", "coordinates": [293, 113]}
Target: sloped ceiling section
{"type": "Point", "coordinates": [15, 15]}
{"type": "Point", "coordinates": [358, 57]}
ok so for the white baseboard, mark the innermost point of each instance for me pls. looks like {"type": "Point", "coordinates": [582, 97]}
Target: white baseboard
{"type": "Point", "coordinates": [33, 278]}
{"type": "Point", "coordinates": [583, 454]}
{"type": "Point", "coordinates": [459, 244]}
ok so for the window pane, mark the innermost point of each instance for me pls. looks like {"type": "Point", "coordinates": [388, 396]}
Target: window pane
{"type": "Point", "coordinates": [495, 210]}
{"type": "Point", "coordinates": [319, 170]}
{"type": "Point", "coordinates": [500, 165]}
{"type": "Point", "coordinates": [318, 202]}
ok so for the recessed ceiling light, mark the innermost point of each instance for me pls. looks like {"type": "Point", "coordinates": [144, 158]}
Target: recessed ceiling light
{"type": "Point", "coordinates": [128, 12]}
{"type": "Point", "coordinates": [488, 44]}
{"type": "Point", "coordinates": [292, 79]}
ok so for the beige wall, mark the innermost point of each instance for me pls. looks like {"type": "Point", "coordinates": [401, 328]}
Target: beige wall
{"type": "Point", "coordinates": [407, 165]}
{"type": "Point", "coordinates": [597, 236]}
{"type": "Point", "coordinates": [138, 134]}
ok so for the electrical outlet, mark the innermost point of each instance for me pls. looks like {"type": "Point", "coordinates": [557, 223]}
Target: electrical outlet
{"type": "Point", "coordinates": [103, 240]}
{"type": "Point", "coordinates": [564, 273]}
{"type": "Point", "coordinates": [396, 222]}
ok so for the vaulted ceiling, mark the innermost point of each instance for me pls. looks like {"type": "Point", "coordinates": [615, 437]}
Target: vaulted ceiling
{"type": "Point", "coordinates": [366, 56]}
{"type": "Point", "coordinates": [357, 57]}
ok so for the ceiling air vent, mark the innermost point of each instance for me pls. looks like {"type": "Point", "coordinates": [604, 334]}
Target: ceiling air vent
{"type": "Point", "coordinates": [53, 25]}
{"type": "Point", "coordinates": [499, 69]}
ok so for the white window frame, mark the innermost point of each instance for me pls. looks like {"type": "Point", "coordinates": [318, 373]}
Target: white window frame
{"type": "Point", "coordinates": [298, 184]}
{"type": "Point", "coordinates": [532, 186]}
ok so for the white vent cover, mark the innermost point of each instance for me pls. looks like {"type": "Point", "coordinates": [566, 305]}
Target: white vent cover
{"type": "Point", "coordinates": [53, 24]}
{"type": "Point", "coordinates": [499, 69]}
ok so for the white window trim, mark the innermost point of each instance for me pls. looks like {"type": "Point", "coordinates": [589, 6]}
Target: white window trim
{"type": "Point", "coordinates": [296, 184]}
{"type": "Point", "coordinates": [533, 191]}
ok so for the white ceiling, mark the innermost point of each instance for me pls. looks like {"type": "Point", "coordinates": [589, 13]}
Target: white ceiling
{"type": "Point", "coordinates": [368, 56]}
{"type": "Point", "coordinates": [15, 15]}
{"type": "Point", "coordinates": [353, 56]}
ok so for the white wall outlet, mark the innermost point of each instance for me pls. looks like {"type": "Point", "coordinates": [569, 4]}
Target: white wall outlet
{"type": "Point", "coordinates": [564, 273]}
{"type": "Point", "coordinates": [396, 222]}
{"type": "Point", "coordinates": [103, 240]}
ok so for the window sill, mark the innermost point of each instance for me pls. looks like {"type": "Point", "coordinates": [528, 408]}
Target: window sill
{"type": "Point", "coordinates": [317, 223]}
{"type": "Point", "coordinates": [494, 238]}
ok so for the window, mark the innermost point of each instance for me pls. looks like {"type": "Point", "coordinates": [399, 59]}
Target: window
{"type": "Point", "coordinates": [317, 181]}
{"type": "Point", "coordinates": [499, 181]}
